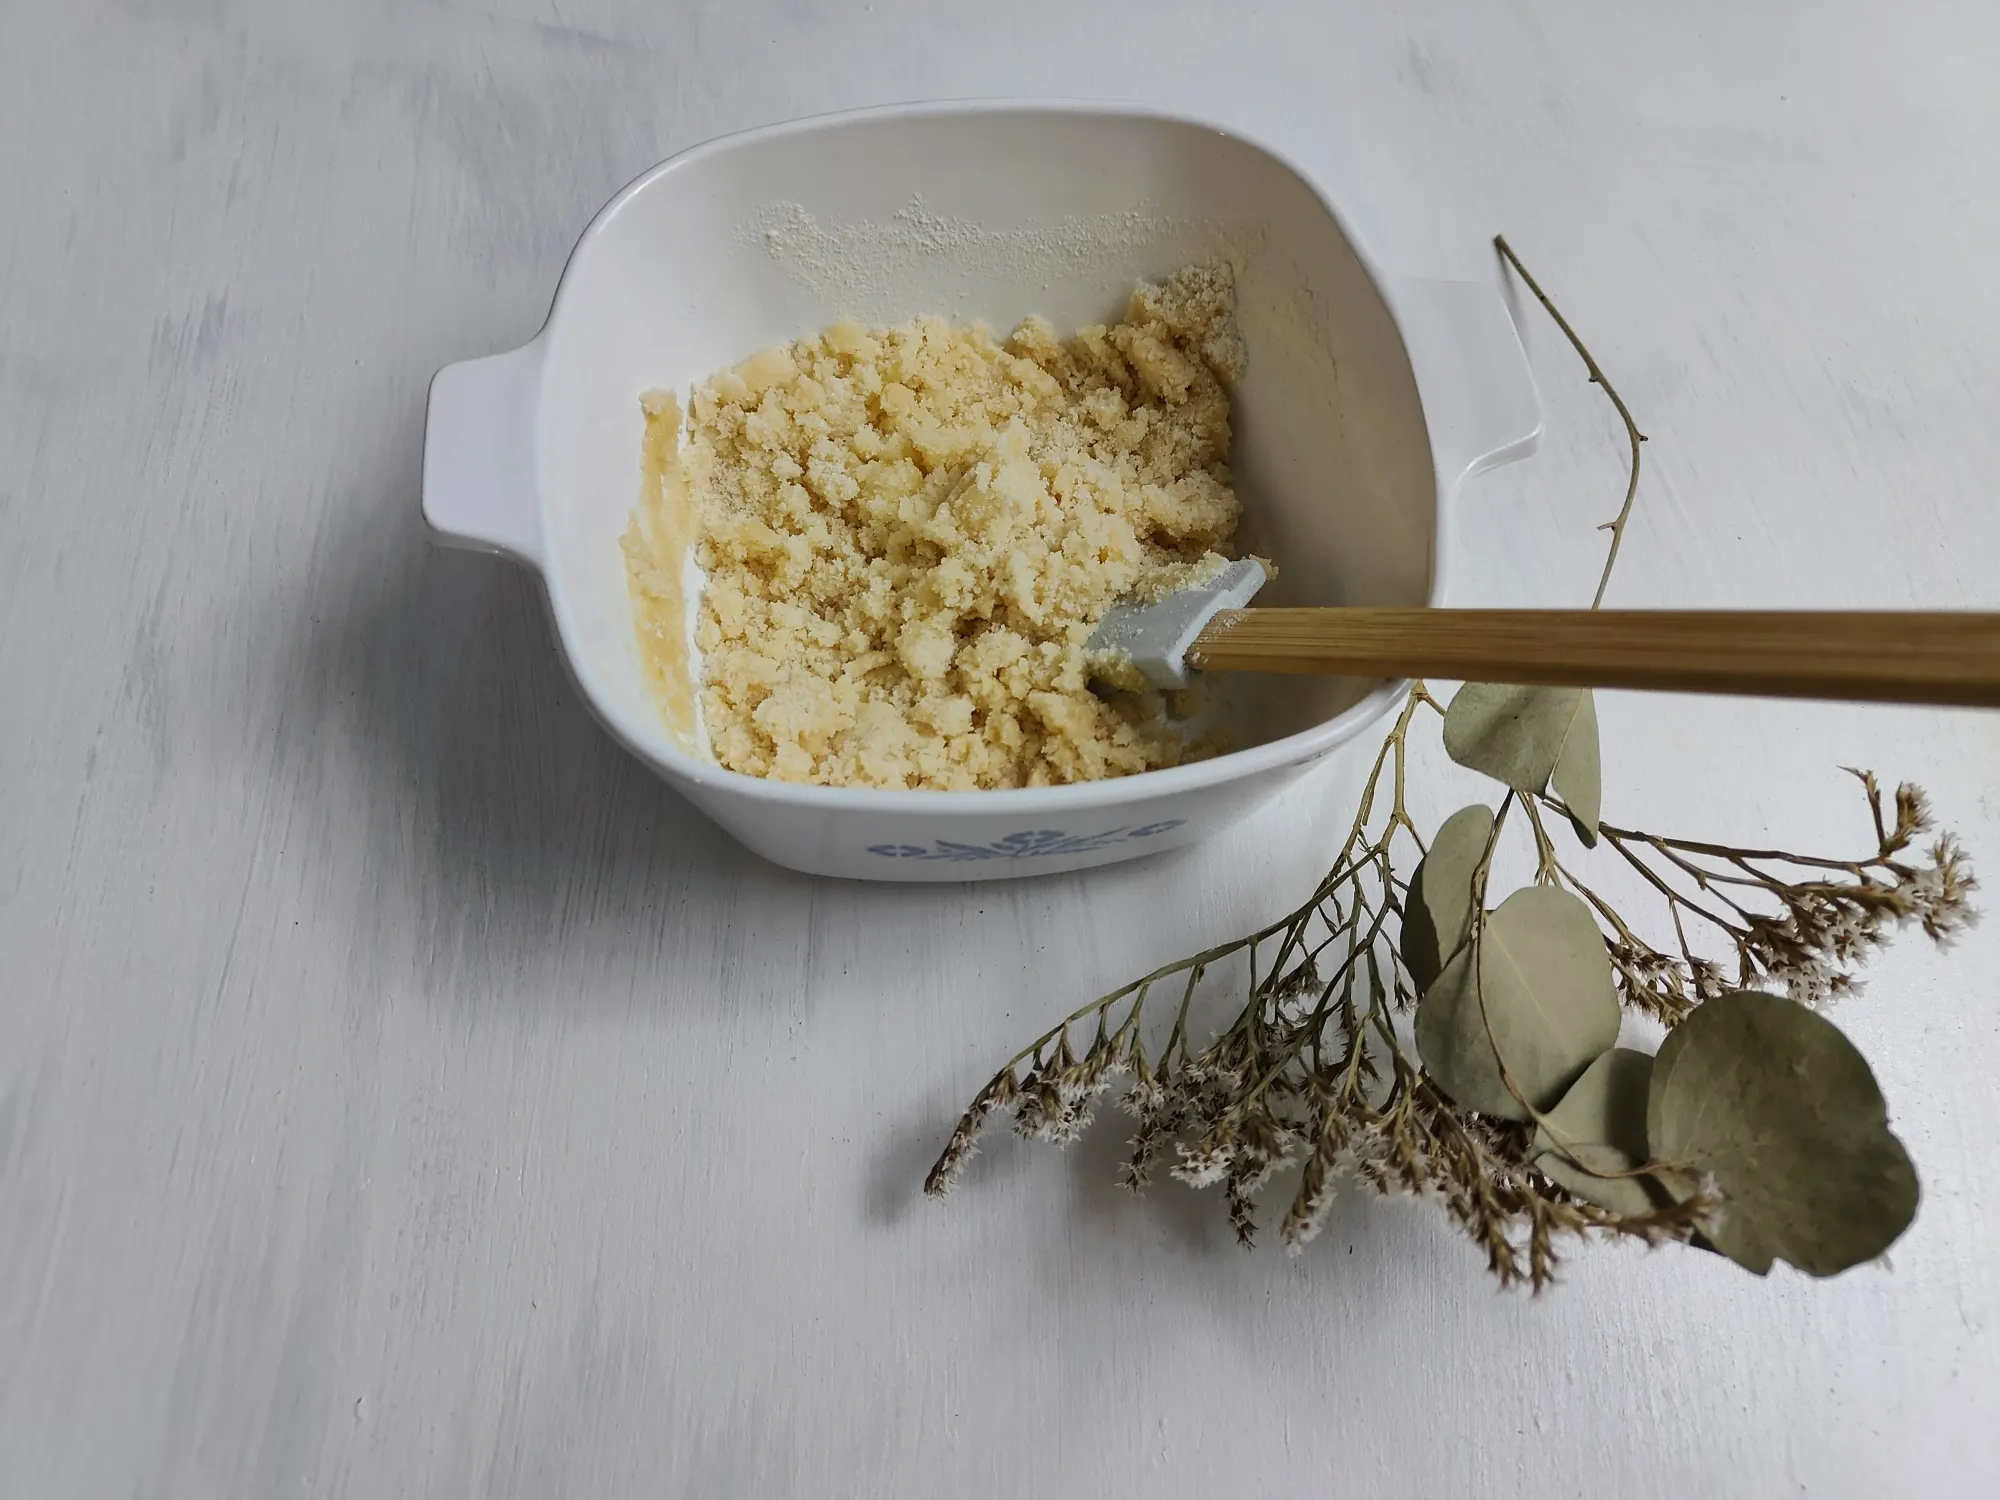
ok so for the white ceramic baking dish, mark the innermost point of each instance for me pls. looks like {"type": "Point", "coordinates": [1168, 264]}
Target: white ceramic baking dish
{"type": "Point", "coordinates": [1370, 400]}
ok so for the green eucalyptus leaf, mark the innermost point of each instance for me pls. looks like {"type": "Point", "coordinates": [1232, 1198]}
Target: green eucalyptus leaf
{"type": "Point", "coordinates": [1601, 1122]}
{"type": "Point", "coordinates": [1770, 1100]}
{"type": "Point", "coordinates": [1522, 736]}
{"type": "Point", "coordinates": [1549, 1006]}
{"type": "Point", "coordinates": [1578, 777]}
{"type": "Point", "coordinates": [1438, 914]}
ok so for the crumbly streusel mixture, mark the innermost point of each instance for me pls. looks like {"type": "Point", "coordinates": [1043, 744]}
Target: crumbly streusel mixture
{"type": "Point", "coordinates": [909, 535]}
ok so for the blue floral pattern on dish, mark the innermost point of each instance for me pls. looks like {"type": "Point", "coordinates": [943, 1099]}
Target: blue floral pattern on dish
{"type": "Point", "coordinates": [1041, 843]}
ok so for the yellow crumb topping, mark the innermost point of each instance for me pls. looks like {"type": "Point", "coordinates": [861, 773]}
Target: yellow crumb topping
{"type": "Point", "coordinates": [909, 534]}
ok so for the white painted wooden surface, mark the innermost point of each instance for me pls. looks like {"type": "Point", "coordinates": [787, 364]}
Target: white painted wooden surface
{"type": "Point", "coordinates": [401, 1093]}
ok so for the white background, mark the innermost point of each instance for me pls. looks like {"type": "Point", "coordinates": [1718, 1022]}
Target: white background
{"type": "Point", "coordinates": [403, 1093]}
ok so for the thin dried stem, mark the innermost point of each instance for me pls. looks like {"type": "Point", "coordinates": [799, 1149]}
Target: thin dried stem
{"type": "Point", "coordinates": [1616, 525]}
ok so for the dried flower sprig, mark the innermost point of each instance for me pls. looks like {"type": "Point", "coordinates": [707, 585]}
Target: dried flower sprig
{"type": "Point", "coordinates": [1523, 1137]}
{"type": "Point", "coordinates": [1796, 923]}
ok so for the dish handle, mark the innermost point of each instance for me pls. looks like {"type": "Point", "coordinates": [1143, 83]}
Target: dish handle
{"type": "Point", "coordinates": [1479, 395]}
{"type": "Point", "coordinates": [480, 490]}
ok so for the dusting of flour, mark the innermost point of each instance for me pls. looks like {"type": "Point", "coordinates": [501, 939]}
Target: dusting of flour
{"type": "Point", "coordinates": [867, 266]}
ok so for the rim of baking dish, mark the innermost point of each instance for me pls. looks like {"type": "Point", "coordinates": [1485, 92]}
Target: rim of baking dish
{"type": "Point", "coordinates": [654, 744]}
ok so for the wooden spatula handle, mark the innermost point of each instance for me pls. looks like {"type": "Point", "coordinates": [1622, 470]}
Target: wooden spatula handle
{"type": "Point", "coordinates": [1943, 658]}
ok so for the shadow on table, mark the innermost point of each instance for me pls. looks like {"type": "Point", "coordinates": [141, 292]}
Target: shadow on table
{"type": "Point", "coordinates": [491, 795]}
{"type": "Point", "coordinates": [497, 805]}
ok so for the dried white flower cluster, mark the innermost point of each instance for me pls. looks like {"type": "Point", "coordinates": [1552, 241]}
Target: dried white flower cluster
{"type": "Point", "coordinates": [1797, 923]}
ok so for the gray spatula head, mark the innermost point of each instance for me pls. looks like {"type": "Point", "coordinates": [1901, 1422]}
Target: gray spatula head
{"type": "Point", "coordinates": [1154, 638]}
